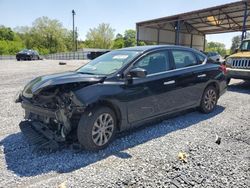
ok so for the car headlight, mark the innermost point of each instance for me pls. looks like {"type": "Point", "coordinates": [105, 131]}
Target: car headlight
{"type": "Point", "coordinates": [229, 61]}
{"type": "Point", "coordinates": [17, 97]}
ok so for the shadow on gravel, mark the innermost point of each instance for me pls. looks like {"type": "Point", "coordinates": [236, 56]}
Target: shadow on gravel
{"type": "Point", "coordinates": [242, 87]}
{"type": "Point", "coordinates": [23, 162]}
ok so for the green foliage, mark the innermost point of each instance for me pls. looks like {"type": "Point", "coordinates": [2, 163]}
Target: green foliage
{"type": "Point", "coordinates": [118, 42]}
{"type": "Point", "coordinates": [216, 47]}
{"type": "Point", "coordinates": [235, 43]}
{"type": "Point", "coordinates": [100, 37]}
{"type": "Point", "coordinates": [6, 33]}
{"type": "Point", "coordinates": [142, 43]}
{"type": "Point", "coordinates": [130, 38]}
{"type": "Point", "coordinates": [10, 42]}
{"type": "Point", "coordinates": [48, 36]}
{"type": "Point", "coordinates": [45, 35]}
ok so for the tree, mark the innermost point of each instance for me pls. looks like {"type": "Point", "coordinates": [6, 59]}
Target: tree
{"type": "Point", "coordinates": [49, 34]}
{"type": "Point", "coordinates": [10, 42]}
{"type": "Point", "coordinates": [6, 33]}
{"type": "Point", "coordinates": [216, 47]}
{"type": "Point", "coordinates": [118, 42]}
{"type": "Point", "coordinates": [100, 37]}
{"type": "Point", "coordinates": [46, 36]}
{"type": "Point", "coordinates": [235, 43]}
{"type": "Point", "coordinates": [130, 38]}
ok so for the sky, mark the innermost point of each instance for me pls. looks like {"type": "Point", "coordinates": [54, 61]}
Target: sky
{"type": "Point", "coordinates": [120, 14]}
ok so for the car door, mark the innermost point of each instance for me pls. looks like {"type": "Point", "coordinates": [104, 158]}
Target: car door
{"type": "Point", "coordinates": [187, 70]}
{"type": "Point", "coordinates": [145, 96]}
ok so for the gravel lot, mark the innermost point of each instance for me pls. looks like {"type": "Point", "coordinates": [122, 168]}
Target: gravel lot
{"type": "Point", "coordinates": [146, 157]}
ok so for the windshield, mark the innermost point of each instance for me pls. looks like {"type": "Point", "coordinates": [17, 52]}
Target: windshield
{"type": "Point", "coordinates": [24, 51]}
{"type": "Point", "coordinates": [245, 46]}
{"type": "Point", "coordinates": [108, 63]}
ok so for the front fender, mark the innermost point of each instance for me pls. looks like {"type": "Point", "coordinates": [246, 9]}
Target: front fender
{"type": "Point", "coordinates": [110, 95]}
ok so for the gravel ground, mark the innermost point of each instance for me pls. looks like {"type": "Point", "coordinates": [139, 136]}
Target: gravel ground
{"type": "Point", "coordinates": [146, 157]}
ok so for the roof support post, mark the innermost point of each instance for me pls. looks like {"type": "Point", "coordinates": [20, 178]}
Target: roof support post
{"type": "Point", "coordinates": [158, 36]}
{"type": "Point", "coordinates": [204, 44]}
{"type": "Point", "coordinates": [243, 36]}
{"type": "Point", "coordinates": [177, 32]}
{"type": "Point", "coordinates": [191, 42]}
{"type": "Point", "coordinates": [137, 35]}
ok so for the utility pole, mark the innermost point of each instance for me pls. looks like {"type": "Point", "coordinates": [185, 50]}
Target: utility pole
{"type": "Point", "coordinates": [73, 14]}
{"type": "Point", "coordinates": [76, 39]}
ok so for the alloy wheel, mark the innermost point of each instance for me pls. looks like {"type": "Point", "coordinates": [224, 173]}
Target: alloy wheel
{"type": "Point", "coordinates": [103, 129]}
{"type": "Point", "coordinates": [210, 99]}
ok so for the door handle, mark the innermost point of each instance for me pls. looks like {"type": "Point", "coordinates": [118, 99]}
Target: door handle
{"type": "Point", "coordinates": [201, 75]}
{"type": "Point", "coordinates": [169, 82]}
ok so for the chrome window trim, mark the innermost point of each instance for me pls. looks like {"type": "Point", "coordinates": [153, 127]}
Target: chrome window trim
{"type": "Point", "coordinates": [173, 70]}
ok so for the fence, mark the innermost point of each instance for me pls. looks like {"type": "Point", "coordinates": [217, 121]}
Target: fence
{"type": "Point", "coordinates": [67, 56]}
{"type": "Point", "coordinates": [79, 55]}
{"type": "Point", "coordinates": [7, 57]}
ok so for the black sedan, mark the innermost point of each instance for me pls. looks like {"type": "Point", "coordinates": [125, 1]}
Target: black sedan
{"type": "Point", "coordinates": [117, 91]}
{"type": "Point", "coordinates": [27, 55]}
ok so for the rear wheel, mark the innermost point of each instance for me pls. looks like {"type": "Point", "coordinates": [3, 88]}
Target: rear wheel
{"type": "Point", "coordinates": [97, 128]}
{"type": "Point", "coordinates": [209, 100]}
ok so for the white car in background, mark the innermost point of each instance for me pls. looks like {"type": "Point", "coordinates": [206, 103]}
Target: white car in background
{"type": "Point", "coordinates": [215, 56]}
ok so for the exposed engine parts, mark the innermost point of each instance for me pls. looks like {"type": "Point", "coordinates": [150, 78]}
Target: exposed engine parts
{"type": "Point", "coordinates": [55, 110]}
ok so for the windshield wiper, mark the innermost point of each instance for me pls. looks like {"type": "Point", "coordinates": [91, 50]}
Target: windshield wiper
{"type": "Point", "coordinates": [90, 73]}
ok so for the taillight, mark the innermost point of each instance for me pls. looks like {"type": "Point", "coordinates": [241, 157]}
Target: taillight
{"type": "Point", "coordinates": [223, 68]}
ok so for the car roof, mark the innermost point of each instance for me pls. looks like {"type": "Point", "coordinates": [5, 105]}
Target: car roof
{"type": "Point", "coordinates": [155, 47]}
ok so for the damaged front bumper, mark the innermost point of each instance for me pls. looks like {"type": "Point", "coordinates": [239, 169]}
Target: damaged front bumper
{"type": "Point", "coordinates": [48, 127]}
{"type": "Point", "coordinates": [39, 135]}
{"type": "Point", "coordinates": [29, 108]}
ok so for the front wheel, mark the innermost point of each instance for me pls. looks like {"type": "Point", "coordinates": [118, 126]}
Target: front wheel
{"type": "Point", "coordinates": [209, 100]}
{"type": "Point", "coordinates": [97, 128]}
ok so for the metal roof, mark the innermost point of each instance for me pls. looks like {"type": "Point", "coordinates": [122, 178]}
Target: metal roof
{"type": "Point", "coordinates": [219, 19]}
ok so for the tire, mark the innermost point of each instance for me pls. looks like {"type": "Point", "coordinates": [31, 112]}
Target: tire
{"type": "Point", "coordinates": [18, 59]}
{"type": "Point", "coordinates": [209, 100]}
{"type": "Point", "coordinates": [91, 132]}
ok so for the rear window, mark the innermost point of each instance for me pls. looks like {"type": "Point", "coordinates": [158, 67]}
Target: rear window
{"type": "Point", "coordinates": [183, 58]}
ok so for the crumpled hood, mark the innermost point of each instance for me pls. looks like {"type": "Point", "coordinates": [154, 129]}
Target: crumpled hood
{"type": "Point", "coordinates": [39, 83]}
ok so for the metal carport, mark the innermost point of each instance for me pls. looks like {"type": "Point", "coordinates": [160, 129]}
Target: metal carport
{"type": "Point", "coordinates": [190, 29]}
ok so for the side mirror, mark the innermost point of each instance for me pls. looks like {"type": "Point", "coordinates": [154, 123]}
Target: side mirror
{"type": "Point", "coordinates": [138, 73]}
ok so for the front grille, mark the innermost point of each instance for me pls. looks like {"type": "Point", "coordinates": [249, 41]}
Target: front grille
{"type": "Point", "coordinates": [241, 63]}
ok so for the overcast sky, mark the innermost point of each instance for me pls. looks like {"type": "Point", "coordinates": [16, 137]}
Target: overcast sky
{"type": "Point", "coordinates": [120, 14]}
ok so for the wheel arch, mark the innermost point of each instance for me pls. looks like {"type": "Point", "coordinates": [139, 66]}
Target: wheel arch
{"type": "Point", "coordinates": [110, 105]}
{"type": "Point", "coordinates": [215, 85]}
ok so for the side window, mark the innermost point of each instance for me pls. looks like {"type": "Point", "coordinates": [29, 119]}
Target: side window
{"type": "Point", "coordinates": [154, 63]}
{"type": "Point", "coordinates": [183, 58]}
{"type": "Point", "coordinates": [201, 58]}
